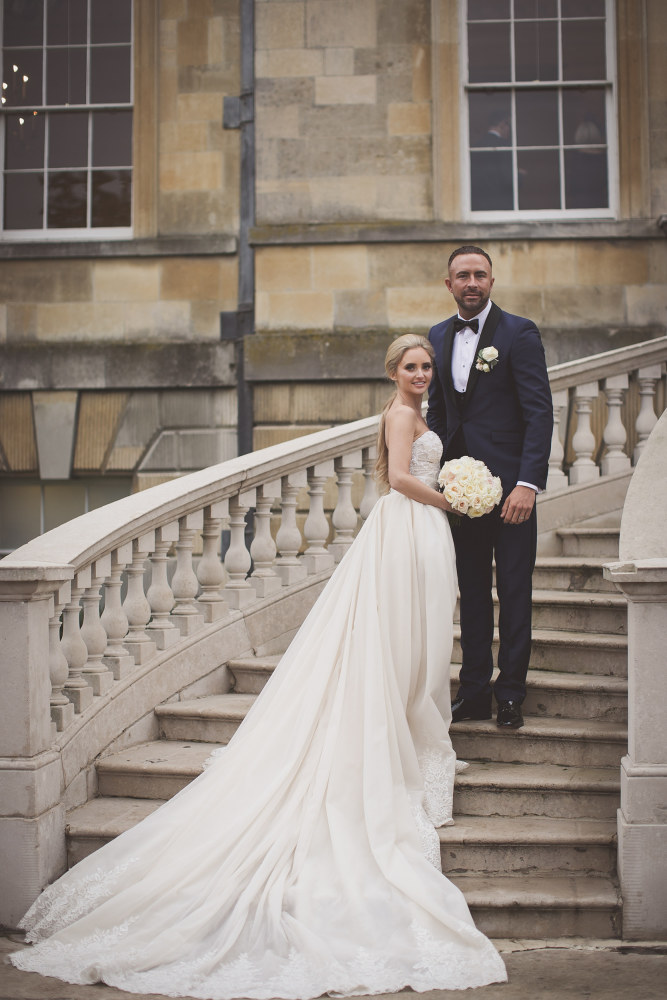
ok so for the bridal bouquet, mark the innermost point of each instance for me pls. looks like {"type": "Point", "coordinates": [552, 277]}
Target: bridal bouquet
{"type": "Point", "coordinates": [469, 486]}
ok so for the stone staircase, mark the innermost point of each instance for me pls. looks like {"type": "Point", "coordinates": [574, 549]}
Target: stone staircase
{"type": "Point", "coordinates": [534, 842]}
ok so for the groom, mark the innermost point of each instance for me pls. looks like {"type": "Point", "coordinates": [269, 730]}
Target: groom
{"type": "Point", "coordinates": [496, 407]}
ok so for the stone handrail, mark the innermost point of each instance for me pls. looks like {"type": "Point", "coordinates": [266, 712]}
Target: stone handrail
{"type": "Point", "coordinates": [73, 647]}
{"type": "Point", "coordinates": [69, 565]}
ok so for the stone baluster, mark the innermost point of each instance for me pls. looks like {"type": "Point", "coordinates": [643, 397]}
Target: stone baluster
{"type": "Point", "coordinates": [114, 619]}
{"type": "Point", "coordinates": [210, 571]}
{"type": "Point", "coordinates": [96, 672]}
{"type": "Point", "coordinates": [136, 605]}
{"type": "Point", "coordinates": [159, 595]}
{"type": "Point", "coordinates": [369, 499]}
{"type": "Point", "coordinates": [584, 469]}
{"type": "Point", "coordinates": [344, 516]}
{"type": "Point", "coordinates": [79, 692]}
{"type": "Point", "coordinates": [646, 419]}
{"type": "Point", "coordinates": [614, 435]}
{"type": "Point", "coordinates": [185, 585]}
{"type": "Point", "coordinates": [62, 709]}
{"type": "Point", "coordinates": [556, 479]}
{"type": "Point", "coordinates": [239, 592]}
{"type": "Point", "coordinates": [288, 539]}
{"type": "Point", "coordinates": [263, 549]}
{"type": "Point", "coordinates": [316, 529]}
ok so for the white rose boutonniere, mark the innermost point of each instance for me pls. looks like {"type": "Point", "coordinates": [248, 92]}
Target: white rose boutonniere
{"type": "Point", "coordinates": [487, 359]}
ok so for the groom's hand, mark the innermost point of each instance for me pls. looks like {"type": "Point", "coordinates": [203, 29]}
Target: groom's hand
{"type": "Point", "coordinates": [518, 505]}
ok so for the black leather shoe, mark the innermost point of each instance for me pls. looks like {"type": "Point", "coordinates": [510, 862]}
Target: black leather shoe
{"type": "Point", "coordinates": [471, 708]}
{"type": "Point", "coordinates": [509, 715]}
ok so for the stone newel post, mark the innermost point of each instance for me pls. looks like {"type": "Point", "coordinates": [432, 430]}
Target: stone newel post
{"type": "Point", "coordinates": [641, 574]}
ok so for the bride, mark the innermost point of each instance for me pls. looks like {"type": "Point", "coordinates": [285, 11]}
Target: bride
{"type": "Point", "coordinates": [304, 860]}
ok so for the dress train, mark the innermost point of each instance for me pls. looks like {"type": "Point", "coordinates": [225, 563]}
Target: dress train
{"type": "Point", "coordinates": [304, 859]}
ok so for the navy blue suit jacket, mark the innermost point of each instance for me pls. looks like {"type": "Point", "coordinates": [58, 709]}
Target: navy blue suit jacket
{"type": "Point", "coordinates": [507, 414]}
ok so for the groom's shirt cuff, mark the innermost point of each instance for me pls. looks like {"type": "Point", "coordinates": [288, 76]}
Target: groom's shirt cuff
{"type": "Point", "coordinates": [530, 485]}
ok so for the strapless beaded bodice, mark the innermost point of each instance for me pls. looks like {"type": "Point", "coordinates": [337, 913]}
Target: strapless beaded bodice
{"type": "Point", "coordinates": [426, 455]}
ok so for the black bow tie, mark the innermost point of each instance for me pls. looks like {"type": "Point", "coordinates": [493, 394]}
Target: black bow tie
{"type": "Point", "coordinates": [461, 324]}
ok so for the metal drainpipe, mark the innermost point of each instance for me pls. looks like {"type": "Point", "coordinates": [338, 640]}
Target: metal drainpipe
{"type": "Point", "coordinates": [239, 112]}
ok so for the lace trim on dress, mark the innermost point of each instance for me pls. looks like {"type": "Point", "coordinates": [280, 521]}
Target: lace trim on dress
{"type": "Point", "coordinates": [469, 962]}
{"type": "Point", "coordinates": [61, 904]}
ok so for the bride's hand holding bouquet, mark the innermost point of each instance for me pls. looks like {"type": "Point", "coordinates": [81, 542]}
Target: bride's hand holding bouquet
{"type": "Point", "coordinates": [469, 487]}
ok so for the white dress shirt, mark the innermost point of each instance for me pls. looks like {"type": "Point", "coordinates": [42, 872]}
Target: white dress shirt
{"type": "Point", "coordinates": [464, 351]}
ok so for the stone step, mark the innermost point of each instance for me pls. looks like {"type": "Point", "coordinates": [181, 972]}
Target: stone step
{"type": "Point", "coordinates": [155, 770]}
{"type": "Point", "coordinates": [554, 693]}
{"type": "Point", "coordinates": [572, 574]}
{"type": "Point", "coordinates": [98, 821]}
{"type": "Point", "coordinates": [568, 651]}
{"type": "Point", "coordinates": [589, 541]}
{"type": "Point", "coordinates": [543, 906]}
{"type": "Point", "coordinates": [566, 695]}
{"type": "Point", "coordinates": [251, 673]}
{"type": "Point", "coordinates": [529, 845]}
{"type": "Point", "coordinates": [574, 611]}
{"type": "Point", "coordinates": [578, 742]}
{"type": "Point", "coordinates": [213, 719]}
{"type": "Point", "coordinates": [489, 788]}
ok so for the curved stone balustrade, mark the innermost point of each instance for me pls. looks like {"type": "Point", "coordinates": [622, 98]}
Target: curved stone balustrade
{"type": "Point", "coordinates": [83, 665]}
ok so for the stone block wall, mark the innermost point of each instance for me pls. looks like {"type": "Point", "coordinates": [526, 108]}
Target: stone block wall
{"type": "Point", "coordinates": [343, 110]}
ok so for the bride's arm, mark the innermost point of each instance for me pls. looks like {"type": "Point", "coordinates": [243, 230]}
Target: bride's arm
{"type": "Point", "coordinates": [400, 426]}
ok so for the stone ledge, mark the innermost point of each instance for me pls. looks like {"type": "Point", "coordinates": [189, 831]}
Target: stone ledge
{"type": "Point", "coordinates": [456, 232]}
{"type": "Point", "coordinates": [35, 366]}
{"type": "Point", "coordinates": [160, 246]}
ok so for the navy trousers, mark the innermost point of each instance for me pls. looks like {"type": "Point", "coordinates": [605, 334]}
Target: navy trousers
{"type": "Point", "coordinates": [477, 541]}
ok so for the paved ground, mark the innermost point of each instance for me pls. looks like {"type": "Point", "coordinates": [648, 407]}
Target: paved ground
{"type": "Point", "coordinates": [538, 970]}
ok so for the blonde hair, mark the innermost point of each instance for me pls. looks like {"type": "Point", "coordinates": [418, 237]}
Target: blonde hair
{"type": "Point", "coordinates": [392, 360]}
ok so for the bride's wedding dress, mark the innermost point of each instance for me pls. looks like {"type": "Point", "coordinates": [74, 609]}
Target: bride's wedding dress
{"type": "Point", "coordinates": [304, 859]}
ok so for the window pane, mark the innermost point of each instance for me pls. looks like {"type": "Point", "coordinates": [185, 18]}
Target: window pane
{"type": "Point", "coordinates": [110, 74]}
{"type": "Point", "coordinates": [112, 198]}
{"type": "Point", "coordinates": [535, 8]}
{"type": "Point", "coordinates": [584, 121]}
{"type": "Point", "coordinates": [490, 118]}
{"type": "Point", "coordinates": [22, 23]}
{"type": "Point", "coordinates": [66, 207]}
{"type": "Point", "coordinates": [105, 491]}
{"type": "Point", "coordinates": [20, 505]}
{"type": "Point", "coordinates": [488, 10]}
{"type": "Point", "coordinates": [536, 50]}
{"type": "Point", "coordinates": [539, 179]}
{"type": "Point", "coordinates": [112, 138]}
{"type": "Point", "coordinates": [111, 22]}
{"type": "Point", "coordinates": [584, 56]}
{"type": "Point", "coordinates": [491, 181]}
{"type": "Point", "coordinates": [66, 76]}
{"type": "Point", "coordinates": [537, 117]}
{"type": "Point", "coordinates": [68, 139]}
{"type": "Point", "coordinates": [586, 178]}
{"type": "Point", "coordinates": [66, 22]}
{"type": "Point", "coordinates": [24, 141]}
{"type": "Point", "coordinates": [24, 205]}
{"type": "Point", "coordinates": [583, 8]}
{"type": "Point", "coordinates": [62, 502]}
{"type": "Point", "coordinates": [22, 72]}
{"type": "Point", "coordinates": [489, 57]}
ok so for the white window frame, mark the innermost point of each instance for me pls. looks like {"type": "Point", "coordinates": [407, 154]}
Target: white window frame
{"type": "Point", "coordinates": [46, 234]}
{"type": "Point", "coordinates": [611, 102]}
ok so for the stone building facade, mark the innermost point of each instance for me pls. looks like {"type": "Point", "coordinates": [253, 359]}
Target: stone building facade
{"type": "Point", "coordinates": [301, 170]}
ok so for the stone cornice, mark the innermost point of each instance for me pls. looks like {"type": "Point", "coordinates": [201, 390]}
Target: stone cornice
{"type": "Point", "coordinates": [453, 232]}
{"type": "Point", "coordinates": [159, 246]}
{"type": "Point", "coordinates": [35, 366]}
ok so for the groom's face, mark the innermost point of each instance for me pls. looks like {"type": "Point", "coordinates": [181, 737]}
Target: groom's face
{"type": "Point", "coordinates": [470, 282]}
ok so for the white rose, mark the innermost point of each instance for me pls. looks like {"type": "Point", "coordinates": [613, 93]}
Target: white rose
{"type": "Point", "coordinates": [489, 354]}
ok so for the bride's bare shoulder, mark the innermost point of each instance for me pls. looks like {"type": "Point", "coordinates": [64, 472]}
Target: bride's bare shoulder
{"type": "Point", "coordinates": [401, 418]}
